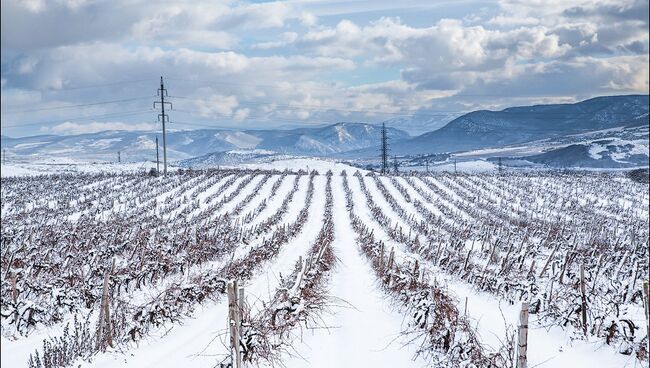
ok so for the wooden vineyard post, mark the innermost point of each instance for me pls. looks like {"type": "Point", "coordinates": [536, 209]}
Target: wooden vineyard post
{"type": "Point", "coordinates": [646, 303]}
{"type": "Point", "coordinates": [391, 257]}
{"type": "Point", "coordinates": [234, 323]}
{"type": "Point", "coordinates": [14, 292]}
{"type": "Point", "coordinates": [469, 254]}
{"type": "Point", "coordinates": [389, 266]}
{"type": "Point", "coordinates": [240, 319]}
{"type": "Point", "coordinates": [381, 258]}
{"type": "Point", "coordinates": [583, 306]}
{"type": "Point", "coordinates": [105, 314]}
{"type": "Point", "coordinates": [303, 268]}
{"type": "Point", "coordinates": [522, 345]}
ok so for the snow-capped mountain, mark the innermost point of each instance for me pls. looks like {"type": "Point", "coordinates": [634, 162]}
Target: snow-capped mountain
{"type": "Point", "coordinates": [481, 129]}
{"type": "Point", "coordinates": [137, 146]}
{"type": "Point", "coordinates": [576, 135]}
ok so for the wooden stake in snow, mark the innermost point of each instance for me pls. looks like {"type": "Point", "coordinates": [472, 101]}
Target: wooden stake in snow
{"type": "Point", "coordinates": [105, 314]}
{"type": "Point", "coordinates": [14, 292]}
{"type": "Point", "coordinates": [583, 293]}
{"type": "Point", "coordinates": [381, 257]}
{"type": "Point", "coordinates": [522, 346]}
{"type": "Point", "coordinates": [240, 313]}
{"type": "Point", "coordinates": [234, 322]}
{"type": "Point", "coordinates": [469, 254]}
{"type": "Point", "coordinates": [646, 303]}
{"type": "Point", "coordinates": [549, 259]}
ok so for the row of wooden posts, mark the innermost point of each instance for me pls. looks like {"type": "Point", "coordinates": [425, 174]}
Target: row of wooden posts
{"type": "Point", "coordinates": [522, 330]}
{"type": "Point", "coordinates": [236, 306]}
{"type": "Point", "coordinates": [522, 335]}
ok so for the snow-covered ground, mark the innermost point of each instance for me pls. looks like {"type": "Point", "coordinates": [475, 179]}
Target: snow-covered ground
{"type": "Point", "coordinates": [361, 325]}
{"type": "Point", "coordinates": [68, 166]}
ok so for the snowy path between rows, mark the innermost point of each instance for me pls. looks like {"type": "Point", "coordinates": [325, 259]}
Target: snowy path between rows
{"type": "Point", "coordinates": [547, 348]}
{"type": "Point", "coordinates": [364, 327]}
{"type": "Point", "coordinates": [199, 340]}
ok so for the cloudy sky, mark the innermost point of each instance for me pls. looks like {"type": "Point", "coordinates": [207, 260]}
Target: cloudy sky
{"type": "Point", "coordinates": [74, 66]}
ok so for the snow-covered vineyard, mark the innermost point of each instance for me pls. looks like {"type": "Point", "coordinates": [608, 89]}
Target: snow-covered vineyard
{"type": "Point", "coordinates": [339, 269]}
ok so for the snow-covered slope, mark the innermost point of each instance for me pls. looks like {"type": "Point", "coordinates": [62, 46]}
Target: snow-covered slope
{"type": "Point", "coordinates": [421, 123]}
{"type": "Point", "coordinates": [481, 129]}
{"type": "Point", "coordinates": [231, 158]}
{"type": "Point", "coordinates": [624, 147]}
{"type": "Point", "coordinates": [138, 146]}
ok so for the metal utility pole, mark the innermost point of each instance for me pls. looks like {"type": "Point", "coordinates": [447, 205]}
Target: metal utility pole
{"type": "Point", "coordinates": [157, 159]}
{"type": "Point", "coordinates": [162, 92]}
{"type": "Point", "coordinates": [455, 170]}
{"type": "Point", "coordinates": [119, 158]}
{"type": "Point", "coordinates": [395, 164]}
{"type": "Point", "coordinates": [384, 149]}
{"type": "Point", "coordinates": [427, 161]}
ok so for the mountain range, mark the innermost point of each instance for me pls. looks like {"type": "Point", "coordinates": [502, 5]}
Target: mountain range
{"type": "Point", "coordinates": [138, 146]}
{"type": "Point", "coordinates": [482, 129]}
{"type": "Point", "coordinates": [601, 131]}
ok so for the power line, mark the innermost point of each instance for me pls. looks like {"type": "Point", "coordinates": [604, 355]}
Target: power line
{"type": "Point", "coordinates": [432, 113]}
{"type": "Point", "coordinates": [75, 106]}
{"type": "Point", "coordinates": [83, 118]}
{"type": "Point", "coordinates": [319, 107]}
{"type": "Point", "coordinates": [221, 83]}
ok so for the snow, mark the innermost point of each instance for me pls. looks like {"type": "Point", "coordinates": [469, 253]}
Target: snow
{"type": "Point", "coordinates": [546, 347]}
{"type": "Point", "coordinates": [58, 166]}
{"type": "Point", "coordinates": [29, 145]}
{"type": "Point", "coordinates": [365, 328]}
{"type": "Point", "coordinates": [595, 151]}
{"type": "Point", "coordinates": [363, 325]}
{"type": "Point", "coordinates": [239, 139]}
{"type": "Point", "coordinates": [342, 134]}
{"type": "Point", "coordinates": [308, 143]}
{"type": "Point", "coordinates": [103, 143]}
{"type": "Point", "coordinates": [196, 342]}
{"type": "Point", "coordinates": [252, 151]}
{"type": "Point", "coordinates": [145, 143]}
{"type": "Point", "coordinates": [322, 165]}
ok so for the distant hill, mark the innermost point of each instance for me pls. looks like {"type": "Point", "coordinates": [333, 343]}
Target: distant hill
{"type": "Point", "coordinates": [482, 129]}
{"type": "Point", "coordinates": [421, 123]}
{"type": "Point", "coordinates": [606, 132]}
{"type": "Point", "coordinates": [612, 148]}
{"type": "Point", "coordinates": [137, 146]}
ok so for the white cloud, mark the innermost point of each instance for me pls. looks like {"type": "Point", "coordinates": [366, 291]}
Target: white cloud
{"type": "Point", "coordinates": [279, 60]}
{"type": "Point", "coordinates": [308, 19]}
{"type": "Point", "coordinates": [502, 20]}
{"type": "Point", "coordinates": [241, 114]}
{"type": "Point", "coordinates": [93, 127]}
{"type": "Point", "coordinates": [217, 105]}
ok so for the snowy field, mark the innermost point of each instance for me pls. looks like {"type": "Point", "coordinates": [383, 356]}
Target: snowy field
{"type": "Point", "coordinates": [64, 166]}
{"type": "Point", "coordinates": [340, 267]}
